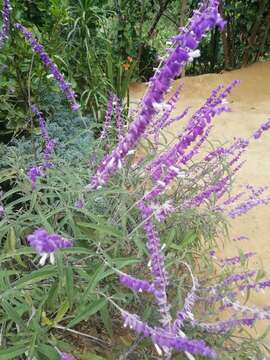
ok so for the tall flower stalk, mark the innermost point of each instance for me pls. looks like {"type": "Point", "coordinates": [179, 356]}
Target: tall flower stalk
{"type": "Point", "coordinates": [50, 65]}
{"type": "Point", "coordinates": [182, 52]}
{"type": "Point", "coordinates": [38, 171]}
{"type": "Point", "coordinates": [5, 19]}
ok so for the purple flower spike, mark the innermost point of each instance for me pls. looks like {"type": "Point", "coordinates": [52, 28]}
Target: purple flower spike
{"type": "Point", "coordinates": [108, 118]}
{"type": "Point", "coordinates": [46, 244]}
{"type": "Point", "coordinates": [183, 50]}
{"type": "Point", "coordinates": [136, 284]}
{"type": "Point", "coordinates": [165, 340]}
{"type": "Point", "coordinates": [38, 171]}
{"type": "Point", "coordinates": [65, 356]}
{"type": "Point", "coordinates": [5, 18]}
{"type": "Point", "coordinates": [33, 173]}
{"type": "Point", "coordinates": [49, 143]}
{"type": "Point", "coordinates": [80, 203]}
{"type": "Point", "coordinates": [51, 66]}
{"type": "Point", "coordinates": [264, 127]}
{"type": "Point", "coordinates": [2, 211]}
{"type": "Point", "coordinates": [118, 117]}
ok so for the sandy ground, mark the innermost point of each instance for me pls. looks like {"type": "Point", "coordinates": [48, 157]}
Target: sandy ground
{"type": "Point", "coordinates": [250, 103]}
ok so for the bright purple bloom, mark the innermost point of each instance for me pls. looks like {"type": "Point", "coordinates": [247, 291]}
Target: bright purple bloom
{"type": "Point", "coordinates": [237, 259]}
{"type": "Point", "coordinates": [38, 171]}
{"type": "Point", "coordinates": [196, 128]}
{"type": "Point", "coordinates": [49, 143]}
{"type": "Point", "coordinates": [226, 325]}
{"type": "Point", "coordinates": [240, 238]}
{"type": "Point", "coordinates": [166, 339]}
{"type": "Point", "coordinates": [186, 312]}
{"type": "Point", "coordinates": [212, 253]}
{"type": "Point", "coordinates": [65, 356]}
{"type": "Point", "coordinates": [157, 265]}
{"type": "Point", "coordinates": [46, 244]}
{"type": "Point", "coordinates": [79, 203]}
{"type": "Point", "coordinates": [35, 172]}
{"type": "Point", "coordinates": [118, 117]}
{"type": "Point", "coordinates": [206, 18]}
{"type": "Point", "coordinates": [2, 211]}
{"type": "Point", "coordinates": [51, 66]}
{"type": "Point", "coordinates": [261, 285]}
{"type": "Point", "coordinates": [108, 118]}
{"type": "Point", "coordinates": [237, 277]}
{"type": "Point", "coordinates": [264, 127]}
{"type": "Point", "coordinates": [136, 284]}
{"type": "Point", "coordinates": [5, 26]}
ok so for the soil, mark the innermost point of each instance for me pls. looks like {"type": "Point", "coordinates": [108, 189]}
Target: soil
{"type": "Point", "coordinates": [250, 103]}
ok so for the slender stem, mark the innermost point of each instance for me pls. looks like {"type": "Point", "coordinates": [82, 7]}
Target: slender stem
{"type": "Point", "coordinates": [59, 327]}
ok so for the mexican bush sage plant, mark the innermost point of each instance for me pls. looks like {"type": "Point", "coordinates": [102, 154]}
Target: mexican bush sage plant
{"type": "Point", "coordinates": [169, 334]}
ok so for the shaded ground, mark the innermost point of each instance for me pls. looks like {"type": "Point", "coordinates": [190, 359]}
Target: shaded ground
{"type": "Point", "coordinates": [250, 104]}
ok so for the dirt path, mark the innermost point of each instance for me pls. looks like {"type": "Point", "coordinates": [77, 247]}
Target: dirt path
{"type": "Point", "coordinates": [250, 103]}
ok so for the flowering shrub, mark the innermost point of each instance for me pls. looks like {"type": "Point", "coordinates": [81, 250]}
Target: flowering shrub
{"type": "Point", "coordinates": [85, 230]}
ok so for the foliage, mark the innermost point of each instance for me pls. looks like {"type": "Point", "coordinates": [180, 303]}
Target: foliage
{"type": "Point", "coordinates": [47, 310]}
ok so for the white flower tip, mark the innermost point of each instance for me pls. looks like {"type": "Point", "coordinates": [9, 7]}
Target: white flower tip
{"type": "Point", "coordinates": [43, 259]}
{"type": "Point", "coordinates": [193, 55]}
{"type": "Point", "coordinates": [158, 349]}
{"type": "Point", "coordinates": [52, 258]}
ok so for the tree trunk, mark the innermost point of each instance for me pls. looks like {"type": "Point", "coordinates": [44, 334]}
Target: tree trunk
{"type": "Point", "coordinates": [261, 50]}
{"type": "Point", "coordinates": [163, 6]}
{"type": "Point", "coordinates": [213, 48]}
{"type": "Point", "coordinates": [253, 33]}
{"type": "Point", "coordinates": [225, 42]}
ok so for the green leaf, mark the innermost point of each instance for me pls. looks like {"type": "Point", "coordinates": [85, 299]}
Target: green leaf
{"type": "Point", "coordinates": [22, 251]}
{"type": "Point", "coordinates": [35, 277]}
{"type": "Point", "coordinates": [61, 312]}
{"type": "Point", "coordinates": [13, 352]}
{"type": "Point", "coordinates": [103, 229]}
{"type": "Point", "coordinates": [69, 285]}
{"type": "Point", "coordinates": [88, 311]}
{"type": "Point", "coordinates": [91, 356]}
{"type": "Point", "coordinates": [12, 314]}
{"type": "Point", "coordinates": [107, 320]}
{"type": "Point", "coordinates": [48, 351]}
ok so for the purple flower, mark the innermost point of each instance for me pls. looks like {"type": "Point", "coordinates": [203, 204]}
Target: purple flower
{"type": "Point", "coordinates": [237, 259]}
{"type": "Point", "coordinates": [52, 67]}
{"type": "Point", "coordinates": [5, 26]}
{"type": "Point", "coordinates": [79, 203]}
{"type": "Point", "coordinates": [165, 340]}
{"type": "Point", "coordinates": [162, 211]}
{"type": "Point", "coordinates": [194, 129]}
{"type": "Point", "coordinates": [118, 117]}
{"type": "Point", "coordinates": [2, 211]}
{"type": "Point", "coordinates": [46, 244]}
{"type": "Point", "coordinates": [136, 284]}
{"type": "Point", "coordinates": [157, 266]}
{"type": "Point", "coordinates": [212, 253]}
{"type": "Point", "coordinates": [226, 325]}
{"type": "Point", "coordinates": [264, 127]}
{"type": "Point", "coordinates": [108, 118]}
{"type": "Point", "coordinates": [240, 238]}
{"type": "Point", "coordinates": [65, 356]}
{"type": "Point", "coordinates": [38, 171]}
{"type": "Point", "coordinates": [33, 173]}
{"type": "Point", "coordinates": [261, 285]}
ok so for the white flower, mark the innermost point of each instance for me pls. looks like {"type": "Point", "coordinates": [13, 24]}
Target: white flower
{"type": "Point", "coordinates": [193, 55]}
